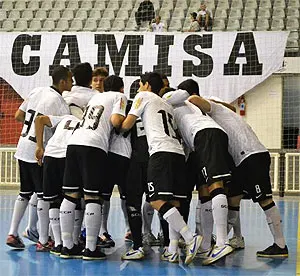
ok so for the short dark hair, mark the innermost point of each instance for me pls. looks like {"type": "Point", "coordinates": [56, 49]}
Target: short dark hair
{"type": "Point", "coordinates": [113, 83]}
{"type": "Point", "coordinates": [194, 15]}
{"type": "Point", "coordinates": [154, 79]}
{"type": "Point", "coordinates": [190, 86]}
{"type": "Point", "coordinates": [82, 73]}
{"type": "Point", "coordinates": [59, 73]}
{"type": "Point", "coordinates": [100, 71]}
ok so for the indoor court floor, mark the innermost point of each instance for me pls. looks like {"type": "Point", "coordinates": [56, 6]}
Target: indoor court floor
{"type": "Point", "coordinates": [244, 262]}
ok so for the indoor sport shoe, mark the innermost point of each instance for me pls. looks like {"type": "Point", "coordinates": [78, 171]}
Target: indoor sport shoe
{"type": "Point", "coordinates": [134, 254]}
{"type": "Point", "coordinates": [170, 257]}
{"type": "Point", "coordinates": [150, 239]}
{"type": "Point", "coordinates": [15, 242]}
{"type": "Point", "coordinates": [237, 242]}
{"type": "Point", "coordinates": [192, 248]}
{"type": "Point", "coordinates": [203, 254]}
{"type": "Point", "coordinates": [31, 235]}
{"type": "Point", "coordinates": [89, 255]}
{"type": "Point", "coordinates": [128, 237]}
{"type": "Point", "coordinates": [56, 250]}
{"type": "Point", "coordinates": [39, 247]}
{"type": "Point", "coordinates": [273, 251]}
{"type": "Point", "coordinates": [106, 238]}
{"type": "Point", "coordinates": [74, 253]}
{"type": "Point", "coordinates": [218, 253]}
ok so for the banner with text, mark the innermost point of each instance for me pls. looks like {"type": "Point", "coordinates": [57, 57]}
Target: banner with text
{"type": "Point", "coordinates": [225, 64]}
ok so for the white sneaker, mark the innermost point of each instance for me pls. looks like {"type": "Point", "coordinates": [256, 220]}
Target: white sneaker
{"type": "Point", "coordinates": [133, 254]}
{"type": "Point", "coordinates": [237, 242]}
{"type": "Point", "coordinates": [217, 253]}
{"type": "Point", "coordinates": [192, 248]}
{"type": "Point", "coordinates": [170, 257]}
{"type": "Point", "coordinates": [203, 254]}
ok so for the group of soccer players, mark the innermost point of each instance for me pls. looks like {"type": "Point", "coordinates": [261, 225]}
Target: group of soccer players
{"type": "Point", "coordinates": [77, 142]}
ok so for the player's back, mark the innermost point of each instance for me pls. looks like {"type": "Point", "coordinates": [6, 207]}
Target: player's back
{"type": "Point", "coordinates": [189, 118]}
{"type": "Point", "coordinates": [41, 101]}
{"type": "Point", "coordinates": [158, 120]}
{"type": "Point", "coordinates": [242, 139]}
{"type": "Point", "coordinates": [120, 144]}
{"type": "Point", "coordinates": [64, 127]}
{"type": "Point", "coordinates": [95, 126]}
{"type": "Point", "coordinates": [79, 96]}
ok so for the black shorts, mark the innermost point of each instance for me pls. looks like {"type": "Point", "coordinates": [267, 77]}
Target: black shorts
{"type": "Point", "coordinates": [136, 183]}
{"type": "Point", "coordinates": [31, 178]}
{"type": "Point", "coordinates": [85, 169]}
{"type": "Point", "coordinates": [193, 176]}
{"type": "Point", "coordinates": [212, 157]}
{"type": "Point", "coordinates": [166, 176]}
{"type": "Point", "coordinates": [252, 176]}
{"type": "Point", "coordinates": [117, 168]}
{"type": "Point", "coordinates": [53, 177]}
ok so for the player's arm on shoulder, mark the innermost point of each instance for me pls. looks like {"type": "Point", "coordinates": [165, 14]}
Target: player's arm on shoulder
{"type": "Point", "coordinates": [20, 115]}
{"type": "Point", "coordinates": [40, 123]}
{"type": "Point", "coordinates": [129, 122]}
{"type": "Point", "coordinates": [231, 107]}
{"type": "Point", "coordinates": [116, 120]}
{"type": "Point", "coordinates": [203, 104]}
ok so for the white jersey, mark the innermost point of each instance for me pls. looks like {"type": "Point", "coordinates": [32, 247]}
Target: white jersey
{"type": "Point", "coordinates": [157, 117]}
{"type": "Point", "coordinates": [120, 144]}
{"type": "Point", "coordinates": [242, 140]}
{"type": "Point", "coordinates": [41, 101]}
{"type": "Point", "coordinates": [57, 145]}
{"type": "Point", "coordinates": [157, 27]}
{"type": "Point", "coordinates": [189, 118]}
{"type": "Point", "coordinates": [79, 96]}
{"type": "Point", "coordinates": [95, 127]}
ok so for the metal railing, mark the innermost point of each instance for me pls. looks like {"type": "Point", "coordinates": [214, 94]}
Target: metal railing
{"type": "Point", "coordinates": [9, 169]}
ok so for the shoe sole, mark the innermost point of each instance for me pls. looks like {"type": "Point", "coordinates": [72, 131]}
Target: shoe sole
{"type": "Point", "coordinates": [210, 260]}
{"type": "Point", "coordinates": [55, 253]}
{"type": "Point", "coordinates": [273, 256]}
{"type": "Point", "coordinates": [70, 256]}
{"type": "Point", "coordinates": [14, 247]}
{"type": "Point", "coordinates": [93, 258]}
{"type": "Point", "coordinates": [132, 259]}
{"type": "Point", "coordinates": [190, 258]}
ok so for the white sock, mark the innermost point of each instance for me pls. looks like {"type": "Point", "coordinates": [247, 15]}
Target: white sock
{"type": "Point", "coordinates": [147, 212]}
{"type": "Point", "coordinates": [43, 222]}
{"type": "Point", "coordinates": [174, 237]}
{"type": "Point", "coordinates": [207, 224]}
{"type": "Point", "coordinates": [67, 218]}
{"type": "Point", "coordinates": [176, 221]}
{"type": "Point", "coordinates": [220, 215]}
{"type": "Point", "coordinates": [55, 225]}
{"type": "Point", "coordinates": [32, 213]}
{"type": "Point", "coordinates": [92, 223]}
{"type": "Point", "coordinates": [234, 223]}
{"type": "Point", "coordinates": [18, 213]}
{"type": "Point", "coordinates": [274, 222]}
{"type": "Point", "coordinates": [77, 225]}
{"type": "Point", "coordinates": [104, 217]}
{"type": "Point", "coordinates": [124, 209]}
{"type": "Point", "coordinates": [198, 218]}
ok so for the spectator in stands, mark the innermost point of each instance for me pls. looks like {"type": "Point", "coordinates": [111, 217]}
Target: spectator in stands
{"type": "Point", "coordinates": [194, 26]}
{"type": "Point", "coordinates": [157, 25]}
{"type": "Point", "coordinates": [145, 12]}
{"type": "Point", "coordinates": [204, 17]}
{"type": "Point", "coordinates": [99, 75]}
